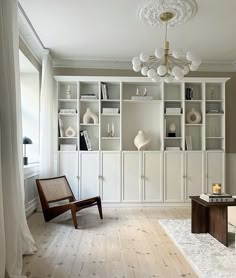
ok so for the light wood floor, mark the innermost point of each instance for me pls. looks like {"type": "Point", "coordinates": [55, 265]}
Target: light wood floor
{"type": "Point", "coordinates": [129, 242]}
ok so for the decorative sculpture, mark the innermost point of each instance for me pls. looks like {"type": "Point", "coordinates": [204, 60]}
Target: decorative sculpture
{"type": "Point", "coordinates": [89, 115]}
{"type": "Point", "coordinates": [141, 141]}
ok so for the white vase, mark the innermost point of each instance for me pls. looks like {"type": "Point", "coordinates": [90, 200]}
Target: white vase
{"type": "Point", "coordinates": [70, 132]}
{"type": "Point", "coordinates": [193, 117]}
{"type": "Point", "coordinates": [89, 115]}
{"type": "Point", "coordinates": [141, 141]}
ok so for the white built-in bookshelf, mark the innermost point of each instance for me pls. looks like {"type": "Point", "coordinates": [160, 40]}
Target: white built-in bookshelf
{"type": "Point", "coordinates": [121, 114]}
{"type": "Point", "coordinates": [147, 115]}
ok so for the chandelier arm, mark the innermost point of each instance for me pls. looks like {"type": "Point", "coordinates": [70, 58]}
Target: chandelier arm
{"type": "Point", "coordinates": [155, 62]}
{"type": "Point", "coordinates": [178, 61]}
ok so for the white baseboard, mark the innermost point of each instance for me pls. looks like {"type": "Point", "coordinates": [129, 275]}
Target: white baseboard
{"type": "Point", "coordinates": [31, 207]}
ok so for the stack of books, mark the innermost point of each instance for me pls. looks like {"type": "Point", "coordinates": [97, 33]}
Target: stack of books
{"type": "Point", "coordinates": [104, 93]}
{"type": "Point", "coordinates": [106, 110]}
{"type": "Point", "coordinates": [142, 98]}
{"type": "Point", "coordinates": [223, 197]}
{"type": "Point", "coordinates": [88, 96]}
{"type": "Point", "coordinates": [173, 111]}
{"type": "Point", "coordinates": [67, 111]}
{"type": "Point", "coordinates": [85, 143]}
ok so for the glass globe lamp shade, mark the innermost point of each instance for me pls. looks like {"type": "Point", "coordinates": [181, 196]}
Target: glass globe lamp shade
{"type": "Point", "coordinates": [136, 61]}
{"type": "Point", "coordinates": [144, 57]}
{"type": "Point", "coordinates": [159, 53]}
{"type": "Point", "coordinates": [136, 68]}
{"type": "Point", "coordinates": [144, 71]}
{"type": "Point", "coordinates": [151, 73]}
{"type": "Point", "coordinates": [177, 53]}
{"type": "Point", "coordinates": [162, 70]}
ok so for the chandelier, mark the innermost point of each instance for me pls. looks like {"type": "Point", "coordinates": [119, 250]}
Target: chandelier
{"type": "Point", "coordinates": [166, 65]}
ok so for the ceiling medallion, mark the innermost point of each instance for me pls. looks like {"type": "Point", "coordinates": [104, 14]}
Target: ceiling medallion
{"type": "Point", "coordinates": [150, 11]}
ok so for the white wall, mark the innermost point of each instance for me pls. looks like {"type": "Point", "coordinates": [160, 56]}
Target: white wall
{"type": "Point", "coordinates": [30, 113]}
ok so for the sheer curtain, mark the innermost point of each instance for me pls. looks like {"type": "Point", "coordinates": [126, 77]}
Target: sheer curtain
{"type": "Point", "coordinates": [46, 117]}
{"type": "Point", "coordinates": [15, 237]}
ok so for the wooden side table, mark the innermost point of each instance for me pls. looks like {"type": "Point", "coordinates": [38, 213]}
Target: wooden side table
{"type": "Point", "coordinates": [211, 218]}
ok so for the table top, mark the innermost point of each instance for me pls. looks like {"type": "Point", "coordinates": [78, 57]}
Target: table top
{"type": "Point", "coordinates": [212, 204]}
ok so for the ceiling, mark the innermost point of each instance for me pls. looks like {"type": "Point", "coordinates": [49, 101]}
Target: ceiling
{"type": "Point", "coordinates": [110, 30]}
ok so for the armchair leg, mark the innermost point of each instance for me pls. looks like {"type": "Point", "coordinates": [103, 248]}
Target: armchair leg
{"type": "Point", "coordinates": [99, 204]}
{"type": "Point", "coordinates": [74, 218]}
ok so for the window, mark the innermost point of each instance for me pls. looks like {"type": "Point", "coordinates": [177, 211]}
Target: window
{"type": "Point", "coordinates": [30, 97]}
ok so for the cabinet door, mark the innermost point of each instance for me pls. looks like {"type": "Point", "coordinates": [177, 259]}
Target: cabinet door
{"type": "Point", "coordinates": [193, 174]}
{"type": "Point", "coordinates": [89, 174]}
{"type": "Point", "coordinates": [173, 176]}
{"type": "Point", "coordinates": [215, 169]}
{"type": "Point", "coordinates": [131, 176]}
{"type": "Point", "coordinates": [68, 166]}
{"type": "Point", "coordinates": [110, 171]}
{"type": "Point", "coordinates": [152, 176]}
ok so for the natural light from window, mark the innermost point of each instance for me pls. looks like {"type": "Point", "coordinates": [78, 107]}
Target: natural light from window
{"type": "Point", "coordinates": [29, 79]}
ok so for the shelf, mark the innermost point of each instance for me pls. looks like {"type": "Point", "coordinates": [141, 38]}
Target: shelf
{"type": "Point", "coordinates": [220, 138]}
{"type": "Point", "coordinates": [141, 101]}
{"type": "Point", "coordinates": [173, 138]}
{"type": "Point", "coordinates": [89, 100]}
{"type": "Point", "coordinates": [89, 124]}
{"type": "Point", "coordinates": [110, 100]}
{"type": "Point", "coordinates": [214, 114]}
{"type": "Point", "coordinates": [173, 114]}
{"type": "Point", "coordinates": [193, 124]}
{"type": "Point", "coordinates": [172, 100]}
{"type": "Point", "coordinates": [67, 151]}
{"type": "Point", "coordinates": [193, 100]}
{"type": "Point", "coordinates": [68, 114]}
{"type": "Point", "coordinates": [110, 115]}
{"type": "Point", "coordinates": [111, 138]}
{"type": "Point", "coordinates": [67, 137]}
{"type": "Point", "coordinates": [67, 100]}
{"type": "Point", "coordinates": [214, 100]}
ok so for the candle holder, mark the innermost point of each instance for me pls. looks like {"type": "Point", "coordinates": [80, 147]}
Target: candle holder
{"type": "Point", "coordinates": [216, 188]}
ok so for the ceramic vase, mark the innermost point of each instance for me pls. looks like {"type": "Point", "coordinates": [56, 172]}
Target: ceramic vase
{"type": "Point", "coordinates": [193, 117]}
{"type": "Point", "coordinates": [89, 115]}
{"type": "Point", "coordinates": [70, 132]}
{"type": "Point", "coordinates": [141, 141]}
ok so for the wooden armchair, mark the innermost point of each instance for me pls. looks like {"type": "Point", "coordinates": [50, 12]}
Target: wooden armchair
{"type": "Point", "coordinates": [57, 189]}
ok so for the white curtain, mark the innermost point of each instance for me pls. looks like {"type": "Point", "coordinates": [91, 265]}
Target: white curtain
{"type": "Point", "coordinates": [46, 117]}
{"type": "Point", "coordinates": [15, 237]}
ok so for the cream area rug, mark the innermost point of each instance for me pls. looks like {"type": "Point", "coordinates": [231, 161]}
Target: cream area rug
{"type": "Point", "coordinates": [208, 257]}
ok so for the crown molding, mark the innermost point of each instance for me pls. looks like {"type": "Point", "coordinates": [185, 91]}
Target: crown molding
{"type": "Point", "coordinates": [92, 64]}
{"type": "Point", "coordinates": [218, 67]}
{"type": "Point", "coordinates": [127, 65]}
{"type": "Point", "coordinates": [29, 36]}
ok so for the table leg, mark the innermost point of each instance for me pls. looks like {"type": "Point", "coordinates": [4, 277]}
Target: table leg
{"type": "Point", "coordinates": [199, 218]}
{"type": "Point", "coordinates": [218, 223]}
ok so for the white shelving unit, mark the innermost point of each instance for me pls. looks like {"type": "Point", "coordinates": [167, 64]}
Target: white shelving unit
{"type": "Point", "coordinates": [171, 151]}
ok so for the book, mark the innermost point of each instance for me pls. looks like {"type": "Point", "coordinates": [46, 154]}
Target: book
{"type": "Point", "coordinates": [211, 195]}
{"type": "Point", "coordinates": [110, 110]}
{"type": "Point", "coordinates": [188, 140]}
{"type": "Point", "coordinates": [88, 96]}
{"type": "Point", "coordinates": [83, 145]}
{"type": "Point", "coordinates": [87, 140]}
{"type": "Point", "coordinates": [224, 197]}
{"type": "Point", "coordinates": [173, 111]}
{"type": "Point", "coordinates": [104, 93]}
{"type": "Point", "coordinates": [67, 111]}
{"type": "Point", "coordinates": [61, 130]}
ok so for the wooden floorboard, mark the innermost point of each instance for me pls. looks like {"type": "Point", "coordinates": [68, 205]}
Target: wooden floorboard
{"type": "Point", "coordinates": [127, 243]}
